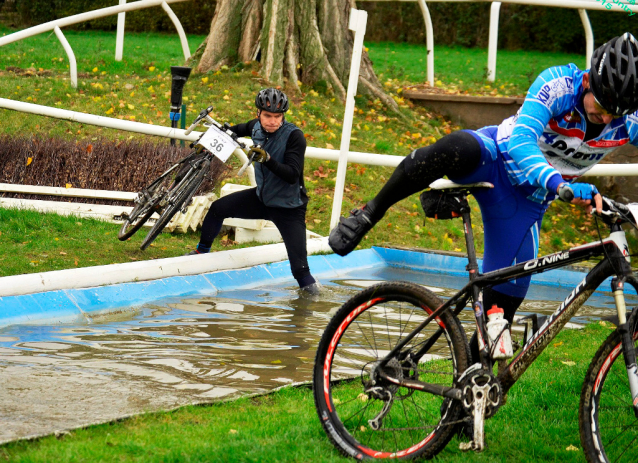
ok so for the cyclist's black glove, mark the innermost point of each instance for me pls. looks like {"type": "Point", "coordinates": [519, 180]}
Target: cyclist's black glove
{"type": "Point", "coordinates": [259, 154]}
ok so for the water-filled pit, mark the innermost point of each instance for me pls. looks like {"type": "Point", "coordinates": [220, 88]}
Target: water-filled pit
{"type": "Point", "coordinates": [175, 352]}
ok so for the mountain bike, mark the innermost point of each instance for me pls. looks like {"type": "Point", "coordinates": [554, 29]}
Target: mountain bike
{"type": "Point", "coordinates": [394, 378]}
{"type": "Point", "coordinates": [173, 190]}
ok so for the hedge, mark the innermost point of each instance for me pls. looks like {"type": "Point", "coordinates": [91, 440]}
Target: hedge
{"type": "Point", "coordinates": [99, 165]}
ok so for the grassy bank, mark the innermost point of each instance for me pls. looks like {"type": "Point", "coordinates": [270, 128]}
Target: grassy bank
{"type": "Point", "coordinates": [538, 423]}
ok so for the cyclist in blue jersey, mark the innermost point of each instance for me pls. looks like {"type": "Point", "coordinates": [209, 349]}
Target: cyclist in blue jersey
{"type": "Point", "coordinates": [569, 121]}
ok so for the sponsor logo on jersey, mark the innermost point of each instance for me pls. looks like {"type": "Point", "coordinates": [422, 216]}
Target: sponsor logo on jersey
{"type": "Point", "coordinates": [572, 117]}
{"type": "Point", "coordinates": [554, 89]}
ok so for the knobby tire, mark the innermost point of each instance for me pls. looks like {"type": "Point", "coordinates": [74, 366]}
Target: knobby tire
{"type": "Point", "coordinates": [608, 426]}
{"type": "Point", "coordinates": [362, 332]}
{"type": "Point", "coordinates": [182, 192]}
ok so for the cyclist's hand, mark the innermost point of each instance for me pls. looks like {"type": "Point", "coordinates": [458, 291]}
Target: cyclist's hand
{"type": "Point", "coordinates": [581, 194]}
{"type": "Point", "coordinates": [259, 154]}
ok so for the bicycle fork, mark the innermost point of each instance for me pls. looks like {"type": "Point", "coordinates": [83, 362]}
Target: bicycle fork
{"type": "Point", "coordinates": [628, 348]}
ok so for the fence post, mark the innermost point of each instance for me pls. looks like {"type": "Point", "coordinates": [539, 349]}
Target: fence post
{"type": "Point", "coordinates": [358, 20]}
{"type": "Point", "coordinates": [73, 66]}
{"type": "Point", "coordinates": [119, 41]}
{"type": "Point", "coordinates": [429, 40]}
{"type": "Point", "coordinates": [493, 41]}
{"type": "Point", "coordinates": [589, 36]}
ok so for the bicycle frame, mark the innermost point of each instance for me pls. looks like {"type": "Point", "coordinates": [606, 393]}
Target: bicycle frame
{"type": "Point", "coordinates": [614, 264]}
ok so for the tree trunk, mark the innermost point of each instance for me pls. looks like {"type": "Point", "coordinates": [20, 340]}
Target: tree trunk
{"type": "Point", "coordinates": [299, 40]}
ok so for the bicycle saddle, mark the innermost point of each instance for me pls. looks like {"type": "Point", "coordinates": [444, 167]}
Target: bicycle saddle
{"type": "Point", "coordinates": [442, 184]}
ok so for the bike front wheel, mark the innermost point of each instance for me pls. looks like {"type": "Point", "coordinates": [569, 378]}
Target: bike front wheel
{"type": "Point", "coordinates": [176, 199]}
{"type": "Point", "coordinates": [608, 425]}
{"type": "Point", "coordinates": [145, 205]}
{"type": "Point", "coordinates": [368, 417]}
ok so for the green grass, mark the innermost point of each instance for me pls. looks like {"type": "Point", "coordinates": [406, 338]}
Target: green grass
{"type": "Point", "coordinates": [538, 423]}
{"type": "Point", "coordinates": [465, 69]}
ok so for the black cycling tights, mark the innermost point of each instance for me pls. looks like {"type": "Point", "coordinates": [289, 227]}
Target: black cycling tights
{"type": "Point", "coordinates": [455, 155]}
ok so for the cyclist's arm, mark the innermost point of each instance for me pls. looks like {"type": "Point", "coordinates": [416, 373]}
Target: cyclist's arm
{"type": "Point", "coordinates": [631, 122]}
{"type": "Point", "coordinates": [290, 170]}
{"type": "Point", "coordinates": [541, 104]}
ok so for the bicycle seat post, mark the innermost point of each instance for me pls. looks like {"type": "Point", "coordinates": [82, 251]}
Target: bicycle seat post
{"type": "Point", "coordinates": [472, 265]}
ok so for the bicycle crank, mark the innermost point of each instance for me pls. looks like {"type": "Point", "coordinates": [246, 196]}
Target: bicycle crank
{"type": "Point", "coordinates": [482, 396]}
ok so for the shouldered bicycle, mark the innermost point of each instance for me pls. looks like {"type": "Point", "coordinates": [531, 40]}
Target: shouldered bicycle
{"type": "Point", "coordinates": [173, 190]}
{"type": "Point", "coordinates": [393, 377]}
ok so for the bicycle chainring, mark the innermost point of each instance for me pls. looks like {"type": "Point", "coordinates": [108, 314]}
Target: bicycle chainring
{"type": "Point", "coordinates": [480, 382]}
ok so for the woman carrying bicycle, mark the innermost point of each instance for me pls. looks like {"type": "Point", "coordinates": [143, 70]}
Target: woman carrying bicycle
{"type": "Point", "coordinates": [280, 195]}
{"type": "Point", "coordinates": [570, 120]}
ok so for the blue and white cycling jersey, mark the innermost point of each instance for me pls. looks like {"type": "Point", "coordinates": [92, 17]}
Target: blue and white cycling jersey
{"type": "Point", "coordinates": [542, 145]}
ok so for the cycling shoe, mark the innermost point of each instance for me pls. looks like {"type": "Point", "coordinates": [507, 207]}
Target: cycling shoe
{"type": "Point", "coordinates": [313, 289]}
{"type": "Point", "coordinates": [350, 231]}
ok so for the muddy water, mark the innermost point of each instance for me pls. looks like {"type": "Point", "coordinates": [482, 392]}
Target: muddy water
{"type": "Point", "coordinates": [185, 351]}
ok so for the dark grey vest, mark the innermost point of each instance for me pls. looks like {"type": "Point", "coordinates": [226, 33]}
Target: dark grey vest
{"type": "Point", "coordinates": [272, 190]}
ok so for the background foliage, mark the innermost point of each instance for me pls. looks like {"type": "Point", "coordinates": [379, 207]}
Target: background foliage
{"type": "Point", "coordinates": [465, 24]}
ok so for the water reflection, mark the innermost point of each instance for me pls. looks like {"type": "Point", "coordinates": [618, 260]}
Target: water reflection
{"type": "Point", "coordinates": [184, 351]}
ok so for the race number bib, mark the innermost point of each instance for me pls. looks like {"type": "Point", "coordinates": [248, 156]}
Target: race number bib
{"type": "Point", "coordinates": [218, 142]}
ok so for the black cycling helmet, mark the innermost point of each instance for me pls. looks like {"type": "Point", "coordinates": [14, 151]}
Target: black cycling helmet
{"type": "Point", "coordinates": [272, 100]}
{"type": "Point", "coordinates": [614, 75]}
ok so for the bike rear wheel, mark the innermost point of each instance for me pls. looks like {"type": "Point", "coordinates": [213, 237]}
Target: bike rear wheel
{"type": "Point", "coordinates": [376, 419]}
{"type": "Point", "coordinates": [608, 426]}
{"type": "Point", "coordinates": [180, 195]}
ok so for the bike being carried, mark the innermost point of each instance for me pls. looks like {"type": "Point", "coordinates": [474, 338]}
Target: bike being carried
{"type": "Point", "coordinates": [569, 121]}
{"type": "Point", "coordinates": [172, 191]}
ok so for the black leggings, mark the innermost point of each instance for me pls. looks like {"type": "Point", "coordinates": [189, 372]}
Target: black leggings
{"type": "Point", "coordinates": [455, 155]}
{"type": "Point", "coordinates": [291, 223]}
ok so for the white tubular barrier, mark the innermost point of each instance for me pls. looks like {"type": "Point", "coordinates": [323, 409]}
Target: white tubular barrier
{"type": "Point", "coordinates": [67, 192]}
{"type": "Point", "coordinates": [119, 40]}
{"type": "Point", "coordinates": [493, 41]}
{"type": "Point", "coordinates": [589, 35]}
{"type": "Point", "coordinates": [112, 123]}
{"type": "Point", "coordinates": [73, 65]}
{"type": "Point", "coordinates": [358, 20]}
{"type": "Point", "coordinates": [429, 40]}
{"type": "Point", "coordinates": [180, 30]}
{"type": "Point", "coordinates": [150, 270]}
{"type": "Point", "coordinates": [311, 152]}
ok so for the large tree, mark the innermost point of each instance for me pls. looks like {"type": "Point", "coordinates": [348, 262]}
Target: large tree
{"type": "Point", "coordinates": [298, 40]}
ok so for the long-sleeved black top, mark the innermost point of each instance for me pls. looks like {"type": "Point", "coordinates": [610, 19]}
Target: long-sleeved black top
{"type": "Point", "coordinates": [291, 169]}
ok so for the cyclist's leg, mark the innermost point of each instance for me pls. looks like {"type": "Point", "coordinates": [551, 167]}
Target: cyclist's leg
{"type": "Point", "coordinates": [511, 224]}
{"type": "Point", "coordinates": [457, 154]}
{"type": "Point", "coordinates": [291, 223]}
{"type": "Point", "coordinates": [243, 204]}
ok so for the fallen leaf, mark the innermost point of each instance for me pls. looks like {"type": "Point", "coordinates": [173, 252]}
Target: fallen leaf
{"type": "Point", "coordinates": [29, 161]}
{"type": "Point", "coordinates": [569, 363]}
{"type": "Point", "coordinates": [571, 448]}
{"type": "Point", "coordinates": [233, 431]}
{"type": "Point", "coordinates": [62, 253]}
{"type": "Point", "coordinates": [69, 185]}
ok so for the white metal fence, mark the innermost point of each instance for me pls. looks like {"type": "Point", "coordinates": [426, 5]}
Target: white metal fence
{"type": "Point", "coordinates": [120, 9]}
{"type": "Point", "coordinates": [581, 5]}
